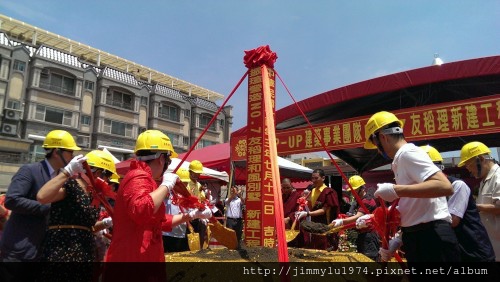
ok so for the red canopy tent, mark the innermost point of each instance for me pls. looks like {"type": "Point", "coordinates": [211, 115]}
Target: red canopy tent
{"type": "Point", "coordinates": [453, 82]}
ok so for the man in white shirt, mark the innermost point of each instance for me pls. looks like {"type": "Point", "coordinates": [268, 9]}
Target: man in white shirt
{"type": "Point", "coordinates": [421, 187]}
{"type": "Point", "coordinates": [234, 216]}
{"type": "Point", "coordinates": [176, 240]}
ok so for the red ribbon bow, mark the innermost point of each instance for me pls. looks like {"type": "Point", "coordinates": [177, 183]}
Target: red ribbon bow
{"type": "Point", "coordinates": [260, 56]}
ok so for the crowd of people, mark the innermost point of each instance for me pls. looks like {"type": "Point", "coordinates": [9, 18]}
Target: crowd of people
{"type": "Point", "coordinates": [53, 216]}
{"type": "Point", "coordinates": [50, 213]}
{"type": "Point", "coordinates": [434, 210]}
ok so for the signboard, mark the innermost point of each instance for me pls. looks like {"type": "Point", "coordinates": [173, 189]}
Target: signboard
{"type": "Point", "coordinates": [259, 221]}
{"type": "Point", "coordinates": [460, 118]}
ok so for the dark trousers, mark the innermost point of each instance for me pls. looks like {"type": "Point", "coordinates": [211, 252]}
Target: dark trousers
{"type": "Point", "coordinates": [429, 242]}
{"type": "Point", "coordinates": [174, 244]}
{"type": "Point", "coordinates": [237, 225]}
{"type": "Point", "coordinates": [18, 271]}
{"type": "Point", "coordinates": [434, 241]}
{"type": "Point", "coordinates": [368, 243]}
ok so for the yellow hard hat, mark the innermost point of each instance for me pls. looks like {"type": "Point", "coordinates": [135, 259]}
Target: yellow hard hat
{"type": "Point", "coordinates": [472, 149]}
{"type": "Point", "coordinates": [60, 139]}
{"type": "Point", "coordinates": [154, 140]}
{"type": "Point", "coordinates": [115, 178]}
{"type": "Point", "coordinates": [376, 122]}
{"type": "Point", "coordinates": [433, 153]}
{"type": "Point", "coordinates": [196, 166]}
{"type": "Point", "coordinates": [101, 159]}
{"type": "Point", "coordinates": [356, 181]}
{"type": "Point", "coordinates": [183, 174]}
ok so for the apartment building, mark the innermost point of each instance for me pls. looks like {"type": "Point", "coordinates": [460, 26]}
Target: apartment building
{"type": "Point", "coordinates": [50, 82]}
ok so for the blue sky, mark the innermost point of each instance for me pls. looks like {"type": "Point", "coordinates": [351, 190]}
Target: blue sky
{"type": "Point", "coordinates": [321, 45]}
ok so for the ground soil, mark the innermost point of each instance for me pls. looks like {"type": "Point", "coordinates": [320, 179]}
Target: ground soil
{"type": "Point", "coordinates": [264, 254]}
{"type": "Point", "coordinates": [314, 227]}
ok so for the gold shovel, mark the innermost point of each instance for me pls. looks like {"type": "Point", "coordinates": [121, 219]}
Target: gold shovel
{"type": "Point", "coordinates": [193, 239]}
{"type": "Point", "coordinates": [292, 233]}
{"type": "Point", "coordinates": [223, 235]}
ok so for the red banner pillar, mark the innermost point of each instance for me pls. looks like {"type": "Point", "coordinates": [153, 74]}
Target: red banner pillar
{"type": "Point", "coordinates": [264, 217]}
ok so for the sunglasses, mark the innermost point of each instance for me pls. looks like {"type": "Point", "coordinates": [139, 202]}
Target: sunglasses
{"type": "Point", "coordinates": [104, 172]}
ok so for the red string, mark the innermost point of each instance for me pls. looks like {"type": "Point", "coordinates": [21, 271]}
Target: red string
{"type": "Point", "coordinates": [378, 226]}
{"type": "Point", "coordinates": [355, 194]}
{"type": "Point", "coordinates": [211, 121]}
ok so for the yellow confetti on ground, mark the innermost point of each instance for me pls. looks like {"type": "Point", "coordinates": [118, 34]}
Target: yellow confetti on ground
{"type": "Point", "coordinates": [263, 254]}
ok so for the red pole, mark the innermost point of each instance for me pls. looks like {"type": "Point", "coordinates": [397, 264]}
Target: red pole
{"type": "Point", "coordinates": [273, 154]}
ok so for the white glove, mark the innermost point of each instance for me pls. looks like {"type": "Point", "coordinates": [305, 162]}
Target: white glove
{"type": "Point", "coordinates": [169, 180]}
{"type": "Point", "coordinates": [394, 244]}
{"type": "Point", "coordinates": [75, 166]}
{"type": "Point", "coordinates": [204, 214]}
{"type": "Point", "coordinates": [204, 221]}
{"type": "Point", "coordinates": [337, 222]}
{"type": "Point", "coordinates": [300, 214]}
{"type": "Point", "coordinates": [108, 222]}
{"type": "Point", "coordinates": [386, 192]}
{"type": "Point", "coordinates": [102, 232]}
{"type": "Point", "coordinates": [363, 221]}
{"type": "Point", "coordinates": [214, 209]}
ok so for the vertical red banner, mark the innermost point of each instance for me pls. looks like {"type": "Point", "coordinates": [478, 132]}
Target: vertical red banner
{"type": "Point", "coordinates": [264, 218]}
{"type": "Point", "coordinates": [259, 223]}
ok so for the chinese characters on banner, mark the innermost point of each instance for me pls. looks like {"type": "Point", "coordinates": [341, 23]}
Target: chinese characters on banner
{"type": "Point", "coordinates": [259, 222]}
{"type": "Point", "coordinates": [459, 118]}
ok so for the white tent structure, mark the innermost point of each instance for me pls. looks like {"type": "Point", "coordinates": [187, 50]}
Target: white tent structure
{"type": "Point", "coordinates": [206, 171]}
{"type": "Point", "coordinates": [218, 157]}
{"type": "Point", "coordinates": [115, 160]}
{"type": "Point", "coordinates": [289, 165]}
{"type": "Point", "coordinates": [123, 167]}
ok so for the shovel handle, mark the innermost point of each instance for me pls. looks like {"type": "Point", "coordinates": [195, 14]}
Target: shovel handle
{"type": "Point", "coordinates": [340, 228]}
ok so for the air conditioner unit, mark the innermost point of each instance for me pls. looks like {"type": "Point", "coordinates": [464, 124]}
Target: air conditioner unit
{"type": "Point", "coordinates": [10, 114]}
{"type": "Point", "coordinates": [82, 141]}
{"type": "Point", "coordinates": [9, 129]}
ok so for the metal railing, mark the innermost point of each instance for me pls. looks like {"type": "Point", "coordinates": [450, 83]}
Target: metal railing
{"type": "Point", "coordinates": [19, 158]}
{"type": "Point", "coordinates": [56, 88]}
{"type": "Point", "coordinates": [119, 104]}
